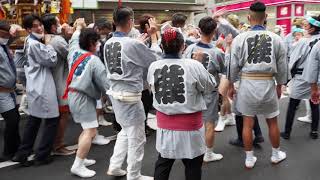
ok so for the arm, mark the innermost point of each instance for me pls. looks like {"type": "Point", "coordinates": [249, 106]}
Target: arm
{"type": "Point", "coordinates": [282, 64]}
{"type": "Point", "coordinates": [74, 42]}
{"type": "Point", "coordinates": [45, 55]}
{"type": "Point", "coordinates": [227, 28]}
{"type": "Point", "coordinates": [100, 75]}
{"type": "Point", "coordinates": [61, 46]}
{"type": "Point", "coordinates": [206, 83]}
{"type": "Point", "coordinates": [154, 45]}
{"type": "Point", "coordinates": [142, 55]}
{"type": "Point", "coordinates": [233, 68]}
{"type": "Point", "coordinates": [311, 73]}
{"type": "Point", "coordinates": [312, 66]}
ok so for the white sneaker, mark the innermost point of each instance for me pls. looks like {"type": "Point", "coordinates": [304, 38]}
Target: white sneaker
{"type": "Point", "coordinates": [220, 126]}
{"type": "Point", "coordinates": [82, 172]}
{"type": "Point", "coordinates": [24, 110]}
{"type": "Point", "coordinates": [24, 105]}
{"type": "Point", "coordinates": [108, 109]}
{"type": "Point", "coordinates": [145, 178]}
{"type": "Point", "coordinates": [250, 162]}
{"type": "Point", "coordinates": [211, 156]}
{"type": "Point", "coordinates": [103, 122]}
{"type": "Point", "coordinates": [230, 121]}
{"type": "Point", "coordinates": [89, 162]}
{"type": "Point", "coordinates": [100, 140]}
{"type": "Point", "coordinates": [277, 158]}
{"type": "Point", "coordinates": [305, 119]}
{"type": "Point", "coordinates": [116, 172]}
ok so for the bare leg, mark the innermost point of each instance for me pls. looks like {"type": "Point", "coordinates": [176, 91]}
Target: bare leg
{"type": "Point", "coordinates": [210, 134]}
{"type": "Point", "coordinates": [84, 143]}
{"type": "Point", "coordinates": [274, 133]}
{"type": "Point", "coordinates": [227, 106]}
{"type": "Point", "coordinates": [248, 124]}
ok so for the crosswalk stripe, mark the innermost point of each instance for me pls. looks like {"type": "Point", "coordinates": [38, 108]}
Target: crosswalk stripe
{"type": "Point", "coordinates": [30, 158]}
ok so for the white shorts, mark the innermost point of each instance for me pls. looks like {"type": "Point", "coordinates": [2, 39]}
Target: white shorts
{"type": "Point", "coordinates": [90, 125]}
{"type": "Point", "coordinates": [267, 116]}
{"type": "Point", "coordinates": [99, 104]}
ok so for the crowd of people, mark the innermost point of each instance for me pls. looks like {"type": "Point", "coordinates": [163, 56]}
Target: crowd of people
{"type": "Point", "coordinates": [198, 80]}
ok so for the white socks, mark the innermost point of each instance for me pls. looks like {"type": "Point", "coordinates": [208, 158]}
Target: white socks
{"type": "Point", "coordinates": [78, 162]}
{"type": "Point", "coordinates": [275, 151]}
{"type": "Point", "coordinates": [78, 168]}
{"type": "Point", "coordinates": [208, 150]}
{"type": "Point", "coordinates": [249, 155]}
{"type": "Point", "coordinates": [250, 159]}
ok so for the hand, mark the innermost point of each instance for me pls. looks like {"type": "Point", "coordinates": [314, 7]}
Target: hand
{"type": "Point", "coordinates": [220, 43]}
{"type": "Point", "coordinates": [279, 90]}
{"type": "Point", "coordinates": [198, 55]}
{"type": "Point", "coordinates": [216, 15]}
{"type": "Point", "coordinates": [14, 30]}
{"type": "Point", "coordinates": [152, 26]}
{"type": "Point", "coordinates": [315, 95]}
{"type": "Point", "coordinates": [231, 93]}
{"type": "Point", "coordinates": [80, 24]}
{"type": "Point", "coordinates": [143, 38]}
{"type": "Point", "coordinates": [229, 40]}
{"type": "Point", "coordinates": [47, 39]}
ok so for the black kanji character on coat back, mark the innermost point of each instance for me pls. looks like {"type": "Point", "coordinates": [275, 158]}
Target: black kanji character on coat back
{"type": "Point", "coordinates": [113, 57]}
{"type": "Point", "coordinates": [169, 84]}
{"type": "Point", "coordinates": [259, 49]}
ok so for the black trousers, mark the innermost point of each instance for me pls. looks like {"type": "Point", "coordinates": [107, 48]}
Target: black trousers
{"type": "Point", "coordinates": [192, 168]}
{"type": "Point", "coordinates": [239, 124]}
{"type": "Point", "coordinates": [291, 112]}
{"type": "Point", "coordinates": [147, 101]}
{"type": "Point", "coordinates": [11, 132]}
{"type": "Point", "coordinates": [47, 137]}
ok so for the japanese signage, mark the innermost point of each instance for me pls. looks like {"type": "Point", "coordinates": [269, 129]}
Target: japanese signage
{"type": "Point", "coordinates": [85, 4]}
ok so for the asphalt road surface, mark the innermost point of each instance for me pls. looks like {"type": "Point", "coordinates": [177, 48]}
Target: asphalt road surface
{"type": "Point", "coordinates": [302, 163]}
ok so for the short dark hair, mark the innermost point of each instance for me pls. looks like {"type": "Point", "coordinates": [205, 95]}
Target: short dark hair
{"type": "Point", "coordinates": [173, 46]}
{"type": "Point", "coordinates": [48, 20]}
{"type": "Point", "coordinates": [122, 15]}
{"type": "Point", "coordinates": [258, 7]}
{"type": "Point", "coordinates": [258, 11]}
{"type": "Point", "coordinates": [103, 23]}
{"type": "Point", "coordinates": [4, 26]}
{"type": "Point", "coordinates": [207, 25]}
{"type": "Point", "coordinates": [144, 19]}
{"type": "Point", "coordinates": [88, 37]}
{"type": "Point", "coordinates": [28, 20]}
{"type": "Point", "coordinates": [179, 19]}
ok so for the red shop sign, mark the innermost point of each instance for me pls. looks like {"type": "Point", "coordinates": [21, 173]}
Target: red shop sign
{"type": "Point", "coordinates": [285, 24]}
{"type": "Point", "coordinates": [284, 11]}
{"type": "Point", "coordinates": [299, 10]}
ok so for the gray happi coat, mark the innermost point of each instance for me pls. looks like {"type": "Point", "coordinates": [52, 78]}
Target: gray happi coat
{"type": "Point", "coordinates": [7, 79]}
{"type": "Point", "coordinates": [41, 89]}
{"type": "Point", "coordinates": [61, 70]}
{"type": "Point", "coordinates": [312, 68]}
{"type": "Point", "coordinates": [258, 96]}
{"type": "Point", "coordinates": [89, 81]}
{"type": "Point", "coordinates": [179, 85]}
{"type": "Point", "coordinates": [301, 89]}
{"type": "Point", "coordinates": [127, 61]}
{"type": "Point", "coordinates": [213, 59]}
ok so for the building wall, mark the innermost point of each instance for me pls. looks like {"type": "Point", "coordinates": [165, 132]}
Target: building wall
{"type": "Point", "coordinates": [162, 11]}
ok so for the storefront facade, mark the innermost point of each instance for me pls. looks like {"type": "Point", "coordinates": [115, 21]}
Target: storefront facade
{"type": "Point", "coordinates": [162, 9]}
{"type": "Point", "coordinates": [280, 12]}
